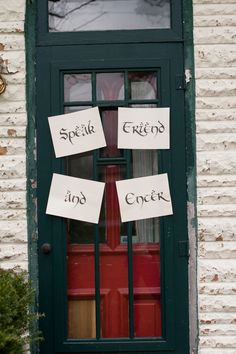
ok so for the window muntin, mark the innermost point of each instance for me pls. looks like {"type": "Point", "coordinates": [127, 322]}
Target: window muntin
{"type": "Point", "coordinates": [111, 297]}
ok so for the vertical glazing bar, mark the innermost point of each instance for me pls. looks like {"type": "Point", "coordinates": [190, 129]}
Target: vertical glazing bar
{"type": "Point", "coordinates": [96, 239]}
{"type": "Point", "coordinates": [97, 284]}
{"type": "Point", "coordinates": [130, 280]}
{"type": "Point", "coordinates": [130, 259]}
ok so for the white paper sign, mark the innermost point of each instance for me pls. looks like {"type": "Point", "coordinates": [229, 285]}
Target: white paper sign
{"type": "Point", "coordinates": [75, 198]}
{"type": "Point", "coordinates": [77, 132]}
{"type": "Point", "coordinates": [143, 128]}
{"type": "Point", "coordinates": [144, 197]}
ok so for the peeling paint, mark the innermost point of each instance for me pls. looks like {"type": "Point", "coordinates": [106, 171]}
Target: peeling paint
{"type": "Point", "coordinates": [11, 132]}
{"type": "Point", "coordinates": [2, 46]}
{"type": "Point", "coordinates": [3, 150]}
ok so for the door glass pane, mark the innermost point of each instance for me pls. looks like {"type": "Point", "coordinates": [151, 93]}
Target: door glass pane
{"type": "Point", "coordinates": [110, 86]}
{"type": "Point", "coordinates": [102, 15]}
{"type": "Point", "coordinates": [110, 124]}
{"type": "Point", "coordinates": [77, 87]}
{"type": "Point", "coordinates": [81, 291]}
{"type": "Point", "coordinates": [113, 261]}
{"type": "Point", "coordinates": [143, 85]}
{"type": "Point", "coordinates": [146, 258]}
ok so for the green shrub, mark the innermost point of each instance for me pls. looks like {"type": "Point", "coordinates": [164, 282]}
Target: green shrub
{"type": "Point", "coordinates": [16, 297]}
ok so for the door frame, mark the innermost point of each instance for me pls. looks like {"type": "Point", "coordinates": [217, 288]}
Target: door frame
{"type": "Point", "coordinates": [30, 29]}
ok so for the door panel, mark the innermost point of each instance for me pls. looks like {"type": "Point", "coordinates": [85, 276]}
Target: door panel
{"type": "Point", "coordinates": [112, 286]}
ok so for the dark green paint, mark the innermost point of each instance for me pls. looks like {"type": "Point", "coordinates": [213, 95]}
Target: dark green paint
{"type": "Point", "coordinates": [31, 167]}
{"type": "Point", "coordinates": [167, 245]}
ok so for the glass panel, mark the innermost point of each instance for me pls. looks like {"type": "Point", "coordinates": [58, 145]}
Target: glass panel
{"type": "Point", "coordinates": [102, 15]}
{"type": "Point", "coordinates": [77, 87]}
{"type": "Point", "coordinates": [113, 261]}
{"type": "Point", "coordinates": [110, 86]}
{"type": "Point", "coordinates": [146, 279]}
{"type": "Point", "coordinates": [70, 109]}
{"type": "Point", "coordinates": [143, 85]}
{"type": "Point", "coordinates": [110, 124]}
{"type": "Point", "coordinates": [81, 291]}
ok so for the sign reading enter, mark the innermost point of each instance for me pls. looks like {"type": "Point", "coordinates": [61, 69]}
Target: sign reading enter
{"type": "Point", "coordinates": [77, 132]}
{"type": "Point", "coordinates": [144, 197]}
{"type": "Point", "coordinates": [75, 198]}
{"type": "Point", "coordinates": [143, 128]}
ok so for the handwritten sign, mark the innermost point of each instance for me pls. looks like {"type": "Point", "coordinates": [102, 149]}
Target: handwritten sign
{"type": "Point", "coordinates": [75, 198]}
{"type": "Point", "coordinates": [144, 197]}
{"type": "Point", "coordinates": [76, 132]}
{"type": "Point", "coordinates": [143, 128]}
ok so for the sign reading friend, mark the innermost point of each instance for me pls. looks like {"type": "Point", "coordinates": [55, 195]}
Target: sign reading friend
{"type": "Point", "coordinates": [75, 198]}
{"type": "Point", "coordinates": [77, 132]}
{"type": "Point", "coordinates": [143, 128]}
{"type": "Point", "coordinates": [144, 197]}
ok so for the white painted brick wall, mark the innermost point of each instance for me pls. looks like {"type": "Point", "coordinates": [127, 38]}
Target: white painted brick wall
{"type": "Point", "coordinates": [13, 224]}
{"type": "Point", "coordinates": [215, 69]}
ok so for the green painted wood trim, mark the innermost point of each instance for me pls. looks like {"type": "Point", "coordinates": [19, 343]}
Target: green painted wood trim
{"type": "Point", "coordinates": [191, 170]}
{"type": "Point", "coordinates": [30, 40]}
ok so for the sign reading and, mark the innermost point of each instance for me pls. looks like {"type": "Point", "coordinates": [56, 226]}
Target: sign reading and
{"type": "Point", "coordinates": [75, 198]}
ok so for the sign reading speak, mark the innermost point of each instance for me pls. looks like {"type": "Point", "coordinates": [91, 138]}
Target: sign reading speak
{"type": "Point", "coordinates": [143, 128]}
{"type": "Point", "coordinates": [144, 197]}
{"type": "Point", "coordinates": [75, 198]}
{"type": "Point", "coordinates": [77, 132]}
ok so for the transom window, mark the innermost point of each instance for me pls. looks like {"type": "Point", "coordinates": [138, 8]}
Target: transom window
{"type": "Point", "coordinates": [102, 15]}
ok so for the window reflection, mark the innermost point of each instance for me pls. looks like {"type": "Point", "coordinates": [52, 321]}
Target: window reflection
{"type": "Point", "coordinates": [101, 15]}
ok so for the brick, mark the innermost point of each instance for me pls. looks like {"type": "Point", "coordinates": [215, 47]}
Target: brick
{"type": "Point", "coordinates": [213, 35]}
{"type": "Point", "coordinates": [216, 317]}
{"type": "Point", "coordinates": [219, 55]}
{"type": "Point", "coordinates": [216, 181]}
{"type": "Point", "coordinates": [13, 200]}
{"type": "Point", "coordinates": [217, 250]}
{"type": "Point", "coordinates": [16, 253]}
{"type": "Point", "coordinates": [12, 167]}
{"type": "Point", "coordinates": [12, 107]}
{"type": "Point", "coordinates": [13, 214]}
{"type": "Point", "coordinates": [216, 115]}
{"type": "Point", "coordinates": [218, 342]}
{"type": "Point", "coordinates": [13, 93]}
{"type": "Point", "coordinates": [219, 303]}
{"type": "Point", "coordinates": [13, 9]}
{"type": "Point", "coordinates": [17, 266]}
{"type": "Point", "coordinates": [16, 132]}
{"type": "Point", "coordinates": [13, 62]}
{"type": "Point", "coordinates": [217, 229]}
{"type": "Point", "coordinates": [216, 210]}
{"type": "Point", "coordinates": [12, 27]}
{"type": "Point", "coordinates": [223, 8]}
{"type": "Point", "coordinates": [208, 142]}
{"type": "Point", "coordinates": [219, 289]}
{"type": "Point", "coordinates": [17, 119]}
{"type": "Point", "coordinates": [12, 146]}
{"type": "Point", "coordinates": [215, 73]}
{"type": "Point", "coordinates": [216, 351]}
{"type": "Point", "coordinates": [218, 330]}
{"type": "Point", "coordinates": [13, 231]}
{"type": "Point", "coordinates": [213, 103]}
{"type": "Point", "coordinates": [213, 127]}
{"type": "Point", "coordinates": [215, 21]}
{"type": "Point", "coordinates": [13, 184]}
{"type": "Point", "coordinates": [216, 196]}
{"type": "Point", "coordinates": [213, 88]}
{"type": "Point", "coordinates": [12, 42]}
{"type": "Point", "coordinates": [216, 162]}
{"type": "Point", "coordinates": [217, 271]}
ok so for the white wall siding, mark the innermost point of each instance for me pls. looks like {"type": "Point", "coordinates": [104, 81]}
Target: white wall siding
{"type": "Point", "coordinates": [215, 68]}
{"type": "Point", "coordinates": [13, 224]}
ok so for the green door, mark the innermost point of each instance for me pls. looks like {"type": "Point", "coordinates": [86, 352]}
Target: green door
{"type": "Point", "coordinates": [112, 287]}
